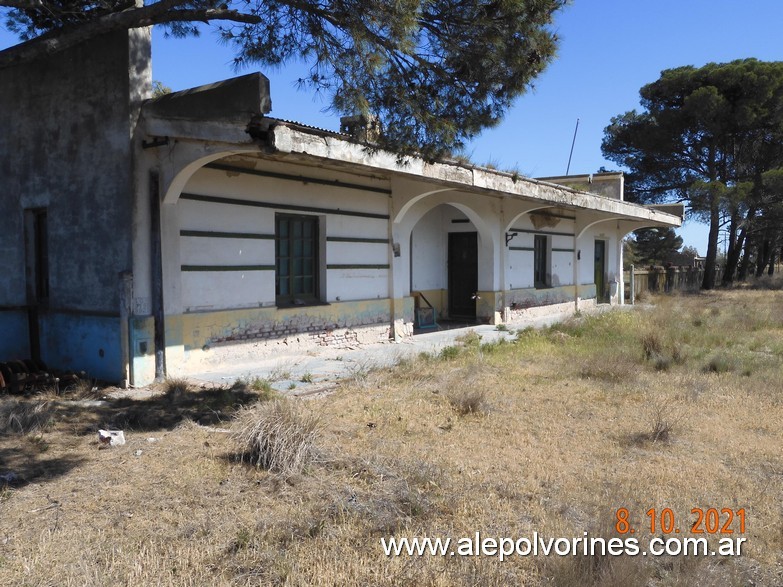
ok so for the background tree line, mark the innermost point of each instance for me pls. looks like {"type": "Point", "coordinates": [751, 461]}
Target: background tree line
{"type": "Point", "coordinates": [659, 247]}
{"type": "Point", "coordinates": [712, 137]}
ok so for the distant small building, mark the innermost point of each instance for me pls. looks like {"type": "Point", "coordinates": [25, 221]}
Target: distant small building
{"type": "Point", "coordinates": [151, 237]}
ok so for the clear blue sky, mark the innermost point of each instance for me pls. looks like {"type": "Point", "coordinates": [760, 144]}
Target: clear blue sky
{"type": "Point", "coordinates": [608, 50]}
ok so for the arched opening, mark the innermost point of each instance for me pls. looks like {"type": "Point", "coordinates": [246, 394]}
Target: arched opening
{"type": "Point", "coordinates": [450, 263]}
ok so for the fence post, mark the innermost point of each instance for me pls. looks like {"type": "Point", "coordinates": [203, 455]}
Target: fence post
{"type": "Point", "coordinates": [632, 280]}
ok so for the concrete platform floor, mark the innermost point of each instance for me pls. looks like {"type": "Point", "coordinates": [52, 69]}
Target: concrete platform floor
{"type": "Point", "coordinates": [301, 373]}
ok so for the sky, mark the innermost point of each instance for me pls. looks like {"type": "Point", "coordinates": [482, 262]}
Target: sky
{"type": "Point", "coordinates": [608, 50]}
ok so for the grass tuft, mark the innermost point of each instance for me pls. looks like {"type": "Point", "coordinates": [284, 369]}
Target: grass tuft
{"type": "Point", "coordinates": [470, 339]}
{"type": "Point", "coordinates": [23, 417]}
{"type": "Point", "coordinates": [449, 353]}
{"type": "Point", "coordinates": [613, 367]}
{"type": "Point", "coordinates": [277, 436]}
{"type": "Point", "coordinates": [176, 388]}
{"type": "Point", "coordinates": [83, 388]}
{"type": "Point", "coordinates": [652, 345]}
{"type": "Point", "coordinates": [261, 386]}
{"type": "Point", "coordinates": [720, 363]}
{"type": "Point", "coordinates": [468, 401]}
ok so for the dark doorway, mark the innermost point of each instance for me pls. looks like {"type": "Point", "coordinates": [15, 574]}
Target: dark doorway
{"type": "Point", "coordinates": [36, 273]}
{"type": "Point", "coordinates": [463, 274]}
{"type": "Point", "coordinates": [540, 273]}
{"type": "Point", "coordinates": [600, 272]}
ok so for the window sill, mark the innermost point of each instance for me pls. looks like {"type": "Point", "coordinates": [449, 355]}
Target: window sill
{"type": "Point", "coordinates": [302, 304]}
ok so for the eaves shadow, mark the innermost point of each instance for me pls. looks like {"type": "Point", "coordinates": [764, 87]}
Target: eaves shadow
{"type": "Point", "coordinates": [208, 407]}
{"type": "Point", "coordinates": [24, 464]}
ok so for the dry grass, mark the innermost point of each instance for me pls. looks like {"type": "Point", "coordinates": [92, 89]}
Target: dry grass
{"type": "Point", "coordinates": [582, 423]}
{"type": "Point", "coordinates": [25, 416]}
{"type": "Point", "coordinates": [277, 436]}
{"type": "Point", "coordinates": [468, 401]}
{"type": "Point", "coordinates": [83, 388]}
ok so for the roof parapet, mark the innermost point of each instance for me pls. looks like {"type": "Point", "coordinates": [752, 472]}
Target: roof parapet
{"type": "Point", "coordinates": [234, 99]}
{"type": "Point", "coordinates": [608, 184]}
{"type": "Point", "coordinates": [673, 209]}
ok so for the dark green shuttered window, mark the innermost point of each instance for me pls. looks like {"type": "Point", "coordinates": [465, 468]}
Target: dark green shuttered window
{"type": "Point", "coordinates": [296, 259]}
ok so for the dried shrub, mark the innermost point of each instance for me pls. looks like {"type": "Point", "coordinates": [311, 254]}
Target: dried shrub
{"type": "Point", "coordinates": [359, 372]}
{"type": "Point", "coordinates": [661, 362]}
{"type": "Point", "coordinates": [470, 338]}
{"type": "Point", "coordinates": [661, 427]}
{"type": "Point", "coordinates": [400, 492]}
{"type": "Point", "coordinates": [662, 415]}
{"type": "Point", "coordinates": [175, 388]}
{"type": "Point", "coordinates": [652, 345]}
{"type": "Point", "coordinates": [468, 401]}
{"type": "Point", "coordinates": [21, 417]}
{"type": "Point", "coordinates": [612, 367]}
{"type": "Point", "coordinates": [595, 570]}
{"type": "Point", "coordinates": [720, 363]}
{"type": "Point", "coordinates": [278, 436]}
{"type": "Point", "coordinates": [449, 352]}
{"type": "Point", "coordinates": [83, 388]}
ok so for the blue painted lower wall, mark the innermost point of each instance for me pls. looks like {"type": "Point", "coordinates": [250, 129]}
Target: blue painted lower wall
{"type": "Point", "coordinates": [83, 343]}
{"type": "Point", "coordinates": [14, 341]}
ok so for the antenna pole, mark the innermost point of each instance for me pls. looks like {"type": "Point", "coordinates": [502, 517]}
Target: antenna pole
{"type": "Point", "coordinates": [572, 147]}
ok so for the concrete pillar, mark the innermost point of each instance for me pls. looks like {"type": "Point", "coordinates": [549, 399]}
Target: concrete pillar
{"type": "Point", "coordinates": [619, 272]}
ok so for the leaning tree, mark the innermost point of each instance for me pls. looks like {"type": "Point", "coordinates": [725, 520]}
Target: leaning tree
{"type": "Point", "coordinates": [433, 72]}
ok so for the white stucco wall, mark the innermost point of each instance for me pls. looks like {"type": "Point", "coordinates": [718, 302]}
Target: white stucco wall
{"type": "Point", "coordinates": [354, 266]}
{"type": "Point", "coordinates": [428, 253]}
{"type": "Point", "coordinates": [560, 255]}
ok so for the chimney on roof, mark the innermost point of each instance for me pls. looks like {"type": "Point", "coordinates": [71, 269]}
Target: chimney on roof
{"type": "Point", "coordinates": [363, 128]}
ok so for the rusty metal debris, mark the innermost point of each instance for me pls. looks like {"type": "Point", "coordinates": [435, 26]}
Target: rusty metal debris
{"type": "Point", "coordinates": [28, 375]}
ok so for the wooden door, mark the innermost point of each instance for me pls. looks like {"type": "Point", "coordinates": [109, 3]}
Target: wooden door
{"type": "Point", "coordinates": [463, 274]}
{"type": "Point", "coordinates": [600, 272]}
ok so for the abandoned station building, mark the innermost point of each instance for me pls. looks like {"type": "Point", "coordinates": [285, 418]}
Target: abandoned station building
{"type": "Point", "coordinates": [147, 237]}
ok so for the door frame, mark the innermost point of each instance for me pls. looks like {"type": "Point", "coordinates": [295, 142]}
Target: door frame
{"type": "Point", "coordinates": [601, 293]}
{"type": "Point", "coordinates": [36, 258]}
{"type": "Point", "coordinates": [454, 271]}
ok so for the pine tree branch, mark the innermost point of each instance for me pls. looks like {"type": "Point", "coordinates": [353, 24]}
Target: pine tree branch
{"type": "Point", "coordinates": [164, 11]}
{"type": "Point", "coordinates": [22, 4]}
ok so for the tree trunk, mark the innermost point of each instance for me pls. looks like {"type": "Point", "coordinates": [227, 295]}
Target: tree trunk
{"type": "Point", "coordinates": [734, 248]}
{"type": "Point", "coordinates": [763, 256]}
{"type": "Point", "coordinates": [732, 260]}
{"type": "Point", "coordinates": [742, 275]}
{"type": "Point", "coordinates": [712, 244]}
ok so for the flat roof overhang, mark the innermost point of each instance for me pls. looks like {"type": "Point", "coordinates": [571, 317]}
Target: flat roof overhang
{"type": "Point", "coordinates": [272, 139]}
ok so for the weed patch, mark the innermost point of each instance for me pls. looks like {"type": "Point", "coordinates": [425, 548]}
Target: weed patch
{"type": "Point", "coordinates": [278, 436]}
{"type": "Point", "coordinates": [24, 417]}
{"type": "Point", "coordinates": [468, 401]}
{"type": "Point", "coordinates": [449, 353]}
{"type": "Point", "coordinates": [721, 363]}
{"type": "Point", "coordinates": [175, 389]}
{"type": "Point", "coordinates": [610, 367]}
